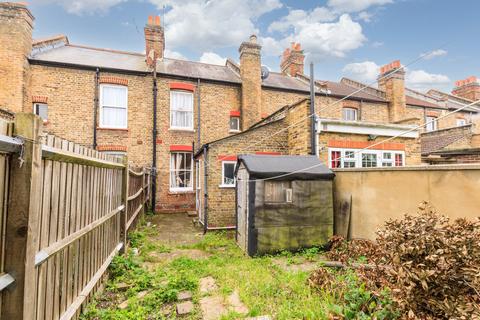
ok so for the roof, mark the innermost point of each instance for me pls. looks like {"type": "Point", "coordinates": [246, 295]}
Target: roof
{"type": "Point", "coordinates": [286, 167]}
{"type": "Point", "coordinates": [57, 50]}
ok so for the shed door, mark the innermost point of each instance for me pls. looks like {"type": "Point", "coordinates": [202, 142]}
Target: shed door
{"type": "Point", "coordinates": [242, 208]}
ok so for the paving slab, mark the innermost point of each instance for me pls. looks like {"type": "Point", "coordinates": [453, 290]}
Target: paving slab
{"type": "Point", "coordinates": [213, 307]}
{"type": "Point", "coordinates": [184, 308]}
{"type": "Point", "coordinates": [235, 304]}
{"type": "Point", "coordinates": [184, 295]}
{"type": "Point", "coordinates": [207, 285]}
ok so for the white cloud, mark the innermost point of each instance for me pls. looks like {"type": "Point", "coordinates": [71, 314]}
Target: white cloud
{"type": "Point", "coordinates": [377, 44]}
{"type": "Point", "coordinates": [433, 54]}
{"type": "Point", "coordinates": [422, 80]}
{"type": "Point", "coordinates": [80, 7]}
{"type": "Point", "coordinates": [366, 71]}
{"type": "Point", "coordinates": [296, 18]}
{"type": "Point", "coordinates": [205, 25]}
{"type": "Point", "coordinates": [355, 5]}
{"type": "Point", "coordinates": [365, 16]}
{"type": "Point", "coordinates": [174, 55]}
{"type": "Point", "coordinates": [330, 39]}
{"type": "Point", "coordinates": [212, 58]}
{"type": "Point", "coordinates": [271, 46]}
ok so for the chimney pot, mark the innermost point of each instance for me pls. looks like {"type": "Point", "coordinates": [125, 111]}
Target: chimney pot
{"type": "Point", "coordinates": [157, 20]}
{"type": "Point", "coordinates": [150, 20]}
{"type": "Point", "coordinates": [292, 60]}
{"type": "Point", "coordinates": [253, 38]}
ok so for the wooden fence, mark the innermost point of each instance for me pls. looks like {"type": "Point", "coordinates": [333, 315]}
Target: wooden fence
{"type": "Point", "coordinates": [65, 211]}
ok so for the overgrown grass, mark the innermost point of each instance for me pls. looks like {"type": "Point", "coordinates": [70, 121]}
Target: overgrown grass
{"type": "Point", "coordinates": [264, 285]}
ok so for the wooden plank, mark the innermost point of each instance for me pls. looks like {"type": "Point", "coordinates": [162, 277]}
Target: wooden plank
{"type": "Point", "coordinates": [72, 309]}
{"type": "Point", "coordinates": [52, 249]}
{"type": "Point", "coordinates": [10, 144]}
{"type": "Point", "coordinates": [134, 196]}
{"type": "Point", "coordinates": [56, 154]}
{"type": "Point", "coordinates": [135, 173]}
{"type": "Point", "coordinates": [6, 279]}
{"type": "Point", "coordinates": [22, 221]}
{"type": "Point", "coordinates": [132, 219]}
{"type": "Point", "coordinates": [124, 200]}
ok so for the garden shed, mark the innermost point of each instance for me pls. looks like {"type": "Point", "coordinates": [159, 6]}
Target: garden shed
{"type": "Point", "coordinates": [282, 203]}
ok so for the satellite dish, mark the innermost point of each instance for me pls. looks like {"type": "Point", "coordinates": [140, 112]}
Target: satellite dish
{"type": "Point", "coordinates": [265, 72]}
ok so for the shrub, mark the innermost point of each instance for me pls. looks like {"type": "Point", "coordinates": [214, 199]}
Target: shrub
{"type": "Point", "coordinates": [434, 264]}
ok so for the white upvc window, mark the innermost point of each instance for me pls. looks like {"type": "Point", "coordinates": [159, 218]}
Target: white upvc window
{"type": "Point", "coordinates": [349, 114]}
{"type": "Point", "coordinates": [461, 122]}
{"type": "Point", "coordinates": [228, 174]}
{"type": "Point", "coordinates": [41, 109]}
{"type": "Point", "coordinates": [234, 124]}
{"type": "Point", "coordinates": [181, 175]}
{"type": "Point", "coordinates": [113, 106]}
{"type": "Point", "coordinates": [181, 110]}
{"type": "Point", "coordinates": [432, 123]}
{"type": "Point", "coordinates": [357, 158]}
{"type": "Point", "coordinates": [117, 154]}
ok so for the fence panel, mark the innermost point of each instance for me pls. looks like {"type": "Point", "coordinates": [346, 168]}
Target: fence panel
{"type": "Point", "coordinates": [68, 207]}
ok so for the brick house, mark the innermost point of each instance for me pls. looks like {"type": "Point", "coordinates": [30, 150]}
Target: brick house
{"type": "Point", "coordinates": [160, 110]}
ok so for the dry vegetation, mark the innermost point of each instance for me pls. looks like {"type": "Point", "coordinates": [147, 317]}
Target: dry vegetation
{"type": "Point", "coordinates": [430, 264]}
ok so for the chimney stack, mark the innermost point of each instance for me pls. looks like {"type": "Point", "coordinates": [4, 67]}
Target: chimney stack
{"type": "Point", "coordinates": [468, 88]}
{"type": "Point", "coordinates": [154, 40]}
{"type": "Point", "coordinates": [250, 73]}
{"type": "Point", "coordinates": [392, 81]}
{"type": "Point", "coordinates": [292, 62]}
{"type": "Point", "coordinates": [16, 26]}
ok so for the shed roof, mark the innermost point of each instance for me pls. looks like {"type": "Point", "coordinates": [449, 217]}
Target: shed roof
{"type": "Point", "coordinates": [286, 167]}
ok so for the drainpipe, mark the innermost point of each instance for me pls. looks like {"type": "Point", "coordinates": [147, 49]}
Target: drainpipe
{"type": "Point", "coordinates": [205, 188]}
{"type": "Point", "coordinates": [154, 136]}
{"type": "Point", "coordinates": [95, 107]}
{"type": "Point", "coordinates": [198, 114]}
{"type": "Point", "coordinates": [313, 117]}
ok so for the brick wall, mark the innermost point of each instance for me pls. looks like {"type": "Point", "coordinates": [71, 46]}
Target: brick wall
{"type": "Point", "coordinates": [221, 201]}
{"type": "Point", "coordinates": [16, 23]}
{"type": "Point", "coordinates": [299, 136]}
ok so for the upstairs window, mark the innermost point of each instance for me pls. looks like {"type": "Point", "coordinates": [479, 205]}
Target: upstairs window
{"type": "Point", "coordinates": [234, 124]}
{"type": "Point", "coordinates": [41, 109]}
{"type": "Point", "coordinates": [432, 123]}
{"type": "Point", "coordinates": [350, 114]}
{"type": "Point", "coordinates": [113, 106]}
{"type": "Point", "coordinates": [181, 171]}
{"type": "Point", "coordinates": [228, 173]}
{"type": "Point", "coordinates": [461, 122]}
{"type": "Point", "coordinates": [181, 110]}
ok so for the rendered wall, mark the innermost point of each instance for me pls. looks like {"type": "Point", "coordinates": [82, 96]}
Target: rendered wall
{"type": "Point", "coordinates": [374, 196]}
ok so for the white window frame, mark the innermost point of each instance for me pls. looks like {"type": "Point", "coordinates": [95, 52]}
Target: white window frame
{"type": "Point", "coordinates": [102, 125]}
{"type": "Point", "coordinates": [431, 126]}
{"type": "Point", "coordinates": [115, 153]}
{"type": "Point", "coordinates": [238, 124]}
{"type": "Point", "coordinates": [180, 189]}
{"type": "Point", "coordinates": [345, 112]}
{"type": "Point", "coordinates": [35, 109]}
{"type": "Point", "coordinates": [172, 127]}
{"type": "Point", "coordinates": [461, 122]}
{"type": "Point", "coordinates": [223, 184]}
{"type": "Point", "coordinates": [358, 157]}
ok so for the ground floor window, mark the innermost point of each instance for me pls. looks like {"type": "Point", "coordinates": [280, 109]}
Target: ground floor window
{"type": "Point", "coordinates": [357, 158]}
{"type": "Point", "coordinates": [181, 171]}
{"type": "Point", "coordinates": [117, 154]}
{"type": "Point", "coordinates": [228, 173]}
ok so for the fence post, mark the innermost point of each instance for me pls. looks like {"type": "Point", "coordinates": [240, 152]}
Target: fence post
{"type": "Point", "coordinates": [124, 215]}
{"type": "Point", "coordinates": [143, 192]}
{"type": "Point", "coordinates": [21, 239]}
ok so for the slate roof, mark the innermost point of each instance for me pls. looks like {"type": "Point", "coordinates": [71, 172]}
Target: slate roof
{"type": "Point", "coordinates": [266, 166]}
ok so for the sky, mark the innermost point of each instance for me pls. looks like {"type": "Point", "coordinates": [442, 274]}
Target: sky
{"type": "Point", "coordinates": [437, 40]}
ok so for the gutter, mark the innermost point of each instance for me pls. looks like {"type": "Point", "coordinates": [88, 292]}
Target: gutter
{"type": "Point", "coordinates": [313, 117]}
{"type": "Point", "coordinates": [95, 107]}
{"type": "Point", "coordinates": [198, 114]}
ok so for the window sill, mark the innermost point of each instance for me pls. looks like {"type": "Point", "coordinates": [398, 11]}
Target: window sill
{"type": "Point", "coordinates": [181, 191]}
{"type": "Point", "coordinates": [226, 186]}
{"type": "Point", "coordinates": [234, 131]}
{"type": "Point", "coordinates": [112, 129]}
{"type": "Point", "coordinates": [181, 129]}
